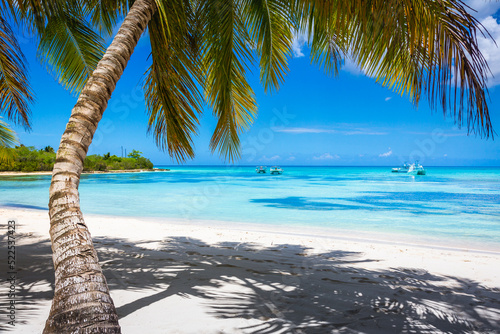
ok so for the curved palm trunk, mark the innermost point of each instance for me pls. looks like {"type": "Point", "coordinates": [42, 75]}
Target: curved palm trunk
{"type": "Point", "coordinates": [82, 303]}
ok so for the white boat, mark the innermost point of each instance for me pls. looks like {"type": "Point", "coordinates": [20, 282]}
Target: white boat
{"type": "Point", "coordinates": [412, 169]}
{"type": "Point", "coordinates": [276, 170]}
{"type": "Point", "coordinates": [416, 169]}
{"type": "Point", "coordinates": [403, 169]}
{"type": "Point", "coordinates": [261, 169]}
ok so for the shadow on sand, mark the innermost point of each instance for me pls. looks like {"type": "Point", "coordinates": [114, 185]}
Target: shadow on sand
{"type": "Point", "coordinates": [284, 287]}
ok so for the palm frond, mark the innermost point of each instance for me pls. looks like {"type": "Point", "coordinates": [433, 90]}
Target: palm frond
{"type": "Point", "coordinates": [104, 14]}
{"type": "Point", "coordinates": [7, 135]}
{"type": "Point", "coordinates": [170, 89]}
{"type": "Point", "coordinates": [271, 28]}
{"type": "Point", "coordinates": [7, 140]}
{"type": "Point", "coordinates": [34, 14]}
{"type": "Point", "coordinates": [226, 57]}
{"type": "Point", "coordinates": [418, 48]}
{"type": "Point", "coordinates": [326, 36]}
{"type": "Point", "coordinates": [70, 49]}
{"type": "Point", "coordinates": [15, 91]}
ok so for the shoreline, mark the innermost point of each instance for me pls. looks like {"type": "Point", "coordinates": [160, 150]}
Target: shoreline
{"type": "Point", "coordinates": [114, 171]}
{"type": "Point", "coordinates": [241, 279]}
{"type": "Point", "coordinates": [183, 226]}
{"type": "Point", "coordinates": [383, 238]}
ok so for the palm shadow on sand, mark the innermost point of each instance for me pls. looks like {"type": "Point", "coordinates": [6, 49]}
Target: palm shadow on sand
{"type": "Point", "coordinates": [284, 287]}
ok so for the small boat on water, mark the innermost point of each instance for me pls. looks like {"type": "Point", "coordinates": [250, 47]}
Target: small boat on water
{"type": "Point", "coordinates": [261, 169]}
{"type": "Point", "coordinates": [276, 170]}
{"type": "Point", "coordinates": [412, 169]}
{"type": "Point", "coordinates": [403, 169]}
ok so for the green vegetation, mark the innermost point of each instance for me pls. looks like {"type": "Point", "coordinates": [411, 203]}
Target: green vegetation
{"type": "Point", "coordinates": [111, 162]}
{"type": "Point", "coordinates": [29, 159]}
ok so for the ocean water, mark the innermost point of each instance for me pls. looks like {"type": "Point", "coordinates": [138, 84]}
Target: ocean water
{"type": "Point", "coordinates": [453, 205]}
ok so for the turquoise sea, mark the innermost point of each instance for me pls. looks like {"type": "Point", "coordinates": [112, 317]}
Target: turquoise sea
{"type": "Point", "coordinates": [450, 205]}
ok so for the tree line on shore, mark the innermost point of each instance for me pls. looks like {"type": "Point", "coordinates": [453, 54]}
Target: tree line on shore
{"type": "Point", "coordinates": [29, 159]}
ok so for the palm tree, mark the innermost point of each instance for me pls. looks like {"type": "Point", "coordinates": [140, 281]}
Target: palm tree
{"type": "Point", "coordinates": [418, 48]}
{"type": "Point", "coordinates": [67, 46]}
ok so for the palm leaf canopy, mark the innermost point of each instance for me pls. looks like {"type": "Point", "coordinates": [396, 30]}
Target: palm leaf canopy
{"type": "Point", "coordinates": [68, 47]}
{"type": "Point", "coordinates": [202, 52]}
{"type": "Point", "coordinates": [418, 48]}
{"type": "Point", "coordinates": [15, 91]}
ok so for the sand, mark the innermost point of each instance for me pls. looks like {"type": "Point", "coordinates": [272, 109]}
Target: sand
{"type": "Point", "coordinates": [207, 277]}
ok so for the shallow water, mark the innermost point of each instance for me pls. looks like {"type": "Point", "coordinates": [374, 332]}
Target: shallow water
{"type": "Point", "coordinates": [459, 205]}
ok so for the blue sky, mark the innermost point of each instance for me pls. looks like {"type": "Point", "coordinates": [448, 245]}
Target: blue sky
{"type": "Point", "coordinates": [312, 120]}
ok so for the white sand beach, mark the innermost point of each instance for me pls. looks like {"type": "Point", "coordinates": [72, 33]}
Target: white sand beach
{"type": "Point", "coordinates": [195, 277]}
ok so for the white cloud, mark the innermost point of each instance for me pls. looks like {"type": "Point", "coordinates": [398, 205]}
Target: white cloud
{"type": "Point", "coordinates": [482, 8]}
{"type": "Point", "coordinates": [273, 158]}
{"type": "Point", "coordinates": [352, 131]}
{"type": "Point", "coordinates": [387, 98]}
{"type": "Point", "coordinates": [352, 68]}
{"type": "Point", "coordinates": [366, 132]}
{"type": "Point", "coordinates": [303, 130]}
{"type": "Point", "coordinates": [292, 158]}
{"type": "Point", "coordinates": [445, 155]}
{"type": "Point", "coordinates": [490, 51]}
{"type": "Point", "coordinates": [386, 154]}
{"type": "Point", "coordinates": [298, 43]}
{"type": "Point", "coordinates": [326, 156]}
{"type": "Point", "coordinates": [439, 133]}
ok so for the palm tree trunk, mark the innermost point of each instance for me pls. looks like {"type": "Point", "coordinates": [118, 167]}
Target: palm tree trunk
{"type": "Point", "coordinates": [82, 303]}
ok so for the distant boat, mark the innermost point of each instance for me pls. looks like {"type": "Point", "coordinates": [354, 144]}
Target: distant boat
{"type": "Point", "coordinates": [261, 169]}
{"type": "Point", "coordinates": [403, 169]}
{"type": "Point", "coordinates": [276, 170]}
{"type": "Point", "coordinates": [412, 169]}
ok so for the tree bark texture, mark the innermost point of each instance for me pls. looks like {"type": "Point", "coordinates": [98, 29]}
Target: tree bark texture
{"type": "Point", "coordinates": [82, 303]}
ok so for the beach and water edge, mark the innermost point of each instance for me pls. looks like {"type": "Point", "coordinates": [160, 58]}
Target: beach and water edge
{"type": "Point", "coordinates": [193, 275]}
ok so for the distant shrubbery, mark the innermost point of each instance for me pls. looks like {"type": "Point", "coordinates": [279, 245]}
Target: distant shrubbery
{"type": "Point", "coordinates": [29, 159]}
{"type": "Point", "coordinates": [112, 162]}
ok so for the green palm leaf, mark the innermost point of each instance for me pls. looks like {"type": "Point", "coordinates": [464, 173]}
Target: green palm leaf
{"type": "Point", "coordinates": [271, 27]}
{"type": "Point", "coordinates": [7, 136]}
{"type": "Point", "coordinates": [226, 57]}
{"type": "Point", "coordinates": [70, 49]}
{"type": "Point", "coordinates": [419, 48]}
{"type": "Point", "coordinates": [171, 94]}
{"type": "Point", "coordinates": [15, 91]}
{"type": "Point", "coordinates": [104, 14]}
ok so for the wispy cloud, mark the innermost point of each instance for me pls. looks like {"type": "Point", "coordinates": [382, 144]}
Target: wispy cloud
{"type": "Point", "coordinates": [303, 130]}
{"type": "Point", "coordinates": [388, 98]}
{"type": "Point", "coordinates": [292, 158]}
{"type": "Point", "coordinates": [441, 134]}
{"type": "Point", "coordinates": [326, 156]}
{"type": "Point", "coordinates": [386, 154]}
{"type": "Point", "coordinates": [298, 43]}
{"type": "Point", "coordinates": [347, 132]}
{"type": "Point", "coordinates": [273, 158]}
{"type": "Point", "coordinates": [351, 67]}
{"type": "Point", "coordinates": [365, 132]}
